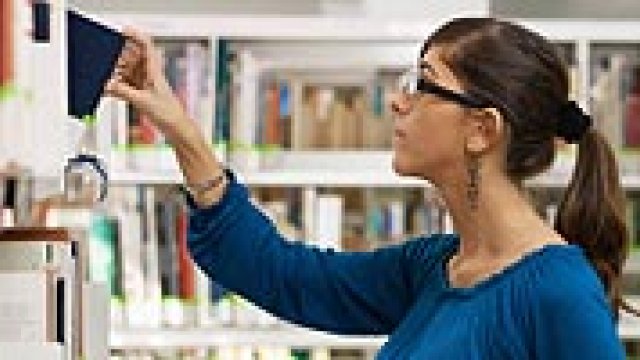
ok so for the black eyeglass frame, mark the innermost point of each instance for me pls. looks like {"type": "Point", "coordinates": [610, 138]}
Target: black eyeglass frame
{"type": "Point", "coordinates": [425, 86]}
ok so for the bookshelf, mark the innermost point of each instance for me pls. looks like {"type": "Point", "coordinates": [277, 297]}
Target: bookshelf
{"type": "Point", "coordinates": [56, 313]}
{"type": "Point", "coordinates": [232, 69]}
{"type": "Point", "coordinates": [304, 57]}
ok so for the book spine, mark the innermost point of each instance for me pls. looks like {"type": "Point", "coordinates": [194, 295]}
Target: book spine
{"type": "Point", "coordinates": [6, 45]}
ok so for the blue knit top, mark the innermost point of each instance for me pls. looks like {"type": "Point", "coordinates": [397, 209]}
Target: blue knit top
{"type": "Point", "coordinates": [548, 305]}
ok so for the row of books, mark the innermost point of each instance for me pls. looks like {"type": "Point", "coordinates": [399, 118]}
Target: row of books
{"type": "Point", "coordinates": [292, 113]}
{"type": "Point", "coordinates": [188, 67]}
{"type": "Point", "coordinates": [296, 115]}
{"type": "Point", "coordinates": [137, 246]}
{"type": "Point", "coordinates": [354, 219]}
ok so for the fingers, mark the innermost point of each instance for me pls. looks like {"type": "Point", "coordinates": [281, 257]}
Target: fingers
{"type": "Point", "coordinates": [137, 37]}
{"type": "Point", "coordinates": [143, 49]}
{"type": "Point", "coordinates": [126, 63]}
{"type": "Point", "coordinates": [117, 88]}
{"type": "Point", "coordinates": [130, 54]}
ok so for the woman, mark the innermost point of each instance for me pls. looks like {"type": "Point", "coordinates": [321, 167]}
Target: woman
{"type": "Point", "coordinates": [483, 112]}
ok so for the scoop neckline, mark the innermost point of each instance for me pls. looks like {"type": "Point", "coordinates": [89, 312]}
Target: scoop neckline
{"type": "Point", "coordinates": [502, 274]}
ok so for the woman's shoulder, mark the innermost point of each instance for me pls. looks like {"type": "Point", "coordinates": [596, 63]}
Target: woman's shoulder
{"type": "Point", "coordinates": [564, 278]}
{"type": "Point", "coordinates": [431, 247]}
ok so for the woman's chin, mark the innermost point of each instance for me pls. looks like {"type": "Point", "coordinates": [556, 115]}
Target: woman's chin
{"type": "Point", "coordinates": [403, 168]}
{"type": "Point", "coordinates": [400, 168]}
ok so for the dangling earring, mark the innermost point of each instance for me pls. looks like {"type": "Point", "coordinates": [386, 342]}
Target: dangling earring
{"type": "Point", "coordinates": [473, 187]}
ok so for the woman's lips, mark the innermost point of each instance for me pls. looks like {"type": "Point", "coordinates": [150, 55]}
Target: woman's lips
{"type": "Point", "coordinates": [399, 133]}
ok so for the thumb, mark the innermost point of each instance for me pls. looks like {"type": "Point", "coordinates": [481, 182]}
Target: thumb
{"type": "Point", "coordinates": [126, 92]}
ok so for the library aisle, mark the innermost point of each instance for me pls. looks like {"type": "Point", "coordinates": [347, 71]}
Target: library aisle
{"type": "Point", "coordinates": [294, 98]}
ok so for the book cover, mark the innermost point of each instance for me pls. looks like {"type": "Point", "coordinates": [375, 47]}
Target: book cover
{"type": "Point", "coordinates": [93, 50]}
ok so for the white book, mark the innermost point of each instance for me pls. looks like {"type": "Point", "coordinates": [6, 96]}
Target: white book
{"type": "Point", "coordinates": [95, 325]}
{"type": "Point", "coordinates": [244, 353]}
{"type": "Point", "coordinates": [272, 352]}
{"type": "Point", "coordinates": [448, 223]}
{"type": "Point", "coordinates": [77, 218]}
{"type": "Point", "coordinates": [131, 254]}
{"type": "Point", "coordinates": [300, 120]}
{"type": "Point", "coordinates": [121, 122]}
{"type": "Point", "coordinates": [204, 307]}
{"type": "Point", "coordinates": [551, 213]}
{"type": "Point", "coordinates": [329, 213]}
{"type": "Point", "coordinates": [34, 350]}
{"type": "Point", "coordinates": [153, 293]}
{"type": "Point", "coordinates": [195, 78]}
{"type": "Point", "coordinates": [607, 100]}
{"type": "Point", "coordinates": [397, 214]}
{"type": "Point", "coordinates": [226, 352]}
{"type": "Point", "coordinates": [320, 353]}
{"type": "Point", "coordinates": [207, 102]}
{"type": "Point", "coordinates": [7, 217]}
{"type": "Point", "coordinates": [27, 303]}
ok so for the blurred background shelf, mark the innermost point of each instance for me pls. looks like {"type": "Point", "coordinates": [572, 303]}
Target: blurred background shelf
{"type": "Point", "coordinates": [199, 338]}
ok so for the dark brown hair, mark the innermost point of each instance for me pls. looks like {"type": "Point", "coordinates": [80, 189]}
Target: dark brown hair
{"type": "Point", "coordinates": [523, 75]}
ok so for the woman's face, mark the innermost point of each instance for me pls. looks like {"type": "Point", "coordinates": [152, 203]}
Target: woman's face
{"type": "Point", "coordinates": [428, 136]}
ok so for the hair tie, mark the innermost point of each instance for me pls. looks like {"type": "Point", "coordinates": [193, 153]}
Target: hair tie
{"type": "Point", "coordinates": [573, 123]}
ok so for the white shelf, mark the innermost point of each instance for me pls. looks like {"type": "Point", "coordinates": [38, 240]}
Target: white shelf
{"type": "Point", "coordinates": [354, 28]}
{"type": "Point", "coordinates": [628, 330]}
{"type": "Point", "coordinates": [632, 265]}
{"type": "Point", "coordinates": [322, 168]}
{"type": "Point", "coordinates": [337, 179]}
{"type": "Point", "coordinates": [170, 338]}
{"type": "Point", "coordinates": [282, 168]}
{"type": "Point", "coordinates": [129, 178]}
{"type": "Point", "coordinates": [333, 178]}
{"type": "Point", "coordinates": [281, 178]}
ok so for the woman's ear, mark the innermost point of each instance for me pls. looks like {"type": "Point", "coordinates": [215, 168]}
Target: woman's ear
{"type": "Point", "coordinates": [485, 129]}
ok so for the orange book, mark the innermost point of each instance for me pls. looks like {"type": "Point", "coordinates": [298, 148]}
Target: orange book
{"type": "Point", "coordinates": [6, 42]}
{"type": "Point", "coordinates": [272, 116]}
{"type": "Point", "coordinates": [185, 264]}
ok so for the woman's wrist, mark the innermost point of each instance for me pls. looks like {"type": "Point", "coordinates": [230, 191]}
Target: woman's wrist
{"type": "Point", "coordinates": [182, 131]}
{"type": "Point", "coordinates": [204, 175]}
{"type": "Point", "coordinates": [211, 196]}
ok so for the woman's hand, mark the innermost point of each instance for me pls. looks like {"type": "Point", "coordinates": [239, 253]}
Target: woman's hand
{"type": "Point", "coordinates": [139, 79]}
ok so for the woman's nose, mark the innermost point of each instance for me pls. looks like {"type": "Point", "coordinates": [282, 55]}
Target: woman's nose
{"type": "Point", "coordinates": [399, 103]}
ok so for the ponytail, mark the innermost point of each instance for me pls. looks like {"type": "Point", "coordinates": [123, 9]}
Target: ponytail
{"type": "Point", "coordinates": [592, 215]}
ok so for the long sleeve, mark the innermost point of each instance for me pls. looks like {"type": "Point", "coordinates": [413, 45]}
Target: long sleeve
{"type": "Point", "coordinates": [574, 321]}
{"type": "Point", "coordinates": [347, 293]}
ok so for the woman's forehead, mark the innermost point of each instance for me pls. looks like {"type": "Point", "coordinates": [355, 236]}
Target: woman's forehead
{"type": "Point", "coordinates": [432, 66]}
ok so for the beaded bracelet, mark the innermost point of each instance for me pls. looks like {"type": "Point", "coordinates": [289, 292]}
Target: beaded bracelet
{"type": "Point", "coordinates": [206, 185]}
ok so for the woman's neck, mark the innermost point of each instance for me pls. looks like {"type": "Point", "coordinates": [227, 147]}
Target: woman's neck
{"type": "Point", "coordinates": [503, 224]}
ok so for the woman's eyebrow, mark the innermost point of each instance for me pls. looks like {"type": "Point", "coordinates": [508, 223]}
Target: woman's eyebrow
{"type": "Point", "coordinates": [426, 66]}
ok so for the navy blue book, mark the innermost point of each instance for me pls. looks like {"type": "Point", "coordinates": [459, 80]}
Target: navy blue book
{"type": "Point", "coordinates": [93, 50]}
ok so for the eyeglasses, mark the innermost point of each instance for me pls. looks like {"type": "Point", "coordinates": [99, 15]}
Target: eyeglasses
{"type": "Point", "coordinates": [412, 83]}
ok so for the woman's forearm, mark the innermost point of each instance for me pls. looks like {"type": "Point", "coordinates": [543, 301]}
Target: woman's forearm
{"type": "Point", "coordinates": [197, 162]}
